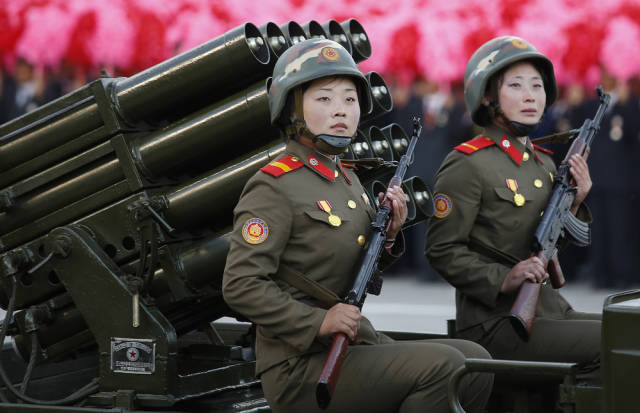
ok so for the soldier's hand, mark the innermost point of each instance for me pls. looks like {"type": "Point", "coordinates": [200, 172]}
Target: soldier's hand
{"type": "Point", "coordinates": [399, 211]}
{"type": "Point", "coordinates": [531, 269]}
{"type": "Point", "coordinates": [341, 318]}
{"type": "Point", "coordinates": [582, 178]}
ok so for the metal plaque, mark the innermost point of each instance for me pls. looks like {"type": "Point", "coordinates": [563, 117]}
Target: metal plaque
{"type": "Point", "coordinates": [133, 355]}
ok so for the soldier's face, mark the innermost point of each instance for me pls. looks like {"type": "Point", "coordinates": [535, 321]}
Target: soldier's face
{"type": "Point", "coordinates": [521, 94]}
{"type": "Point", "coordinates": [331, 107]}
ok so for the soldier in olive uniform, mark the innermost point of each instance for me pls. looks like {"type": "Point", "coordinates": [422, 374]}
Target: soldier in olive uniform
{"type": "Point", "coordinates": [300, 226]}
{"type": "Point", "coordinates": [490, 193]}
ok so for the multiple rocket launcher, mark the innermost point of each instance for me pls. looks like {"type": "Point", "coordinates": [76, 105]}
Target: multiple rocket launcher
{"type": "Point", "coordinates": [116, 202]}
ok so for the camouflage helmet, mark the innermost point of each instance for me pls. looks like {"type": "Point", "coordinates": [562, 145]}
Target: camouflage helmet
{"type": "Point", "coordinates": [489, 59]}
{"type": "Point", "coordinates": [309, 60]}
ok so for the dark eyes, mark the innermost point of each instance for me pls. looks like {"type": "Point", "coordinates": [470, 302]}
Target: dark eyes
{"type": "Point", "coordinates": [327, 98]}
{"type": "Point", "coordinates": [516, 85]}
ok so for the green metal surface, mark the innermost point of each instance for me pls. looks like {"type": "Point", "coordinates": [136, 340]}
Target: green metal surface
{"type": "Point", "coordinates": [209, 133]}
{"type": "Point", "coordinates": [216, 194]}
{"type": "Point", "coordinates": [621, 351]}
{"type": "Point", "coordinates": [207, 73]}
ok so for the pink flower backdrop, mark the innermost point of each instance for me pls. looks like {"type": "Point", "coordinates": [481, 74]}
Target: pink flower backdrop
{"type": "Point", "coordinates": [411, 38]}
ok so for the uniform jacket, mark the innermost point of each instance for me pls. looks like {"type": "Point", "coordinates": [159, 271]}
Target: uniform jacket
{"type": "Point", "coordinates": [476, 191]}
{"type": "Point", "coordinates": [277, 222]}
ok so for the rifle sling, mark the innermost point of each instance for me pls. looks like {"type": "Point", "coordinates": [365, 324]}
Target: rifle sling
{"type": "Point", "coordinates": [486, 250]}
{"type": "Point", "coordinates": [308, 286]}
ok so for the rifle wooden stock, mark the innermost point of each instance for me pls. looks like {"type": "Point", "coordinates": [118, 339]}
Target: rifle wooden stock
{"type": "Point", "coordinates": [523, 310]}
{"type": "Point", "coordinates": [331, 369]}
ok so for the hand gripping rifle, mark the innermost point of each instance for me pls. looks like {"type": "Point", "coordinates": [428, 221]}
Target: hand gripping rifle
{"type": "Point", "coordinates": [557, 223]}
{"type": "Point", "coordinates": [368, 280]}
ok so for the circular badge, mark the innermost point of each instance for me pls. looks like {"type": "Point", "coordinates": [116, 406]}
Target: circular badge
{"type": "Point", "coordinates": [334, 220]}
{"type": "Point", "coordinates": [519, 44]}
{"type": "Point", "coordinates": [133, 354]}
{"type": "Point", "coordinates": [518, 199]}
{"type": "Point", "coordinates": [313, 161]}
{"type": "Point", "coordinates": [506, 143]}
{"type": "Point", "coordinates": [443, 205]}
{"type": "Point", "coordinates": [255, 231]}
{"type": "Point", "coordinates": [330, 54]}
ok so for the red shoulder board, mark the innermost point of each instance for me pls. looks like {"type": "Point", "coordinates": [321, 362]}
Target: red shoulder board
{"type": "Point", "coordinates": [474, 144]}
{"type": "Point", "coordinates": [541, 149]}
{"type": "Point", "coordinates": [349, 165]}
{"type": "Point", "coordinates": [282, 166]}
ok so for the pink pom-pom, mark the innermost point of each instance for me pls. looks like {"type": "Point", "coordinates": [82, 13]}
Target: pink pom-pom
{"type": "Point", "coordinates": [619, 51]}
{"type": "Point", "coordinates": [46, 35]}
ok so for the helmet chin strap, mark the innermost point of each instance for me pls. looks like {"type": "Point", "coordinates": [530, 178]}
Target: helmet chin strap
{"type": "Point", "coordinates": [515, 128]}
{"type": "Point", "coordinates": [330, 144]}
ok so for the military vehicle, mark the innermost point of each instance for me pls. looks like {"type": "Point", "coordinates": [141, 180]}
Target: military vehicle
{"type": "Point", "coordinates": [115, 209]}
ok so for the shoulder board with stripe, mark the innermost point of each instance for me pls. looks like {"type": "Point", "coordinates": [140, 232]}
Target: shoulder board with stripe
{"type": "Point", "coordinates": [474, 144]}
{"type": "Point", "coordinates": [349, 165]}
{"type": "Point", "coordinates": [282, 166]}
{"type": "Point", "coordinates": [541, 149]}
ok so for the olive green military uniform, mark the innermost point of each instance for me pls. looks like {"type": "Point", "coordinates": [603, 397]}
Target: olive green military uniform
{"type": "Point", "coordinates": [490, 193]}
{"type": "Point", "coordinates": [305, 212]}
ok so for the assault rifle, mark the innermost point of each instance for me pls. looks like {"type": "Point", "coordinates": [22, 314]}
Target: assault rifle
{"type": "Point", "coordinates": [557, 223]}
{"type": "Point", "coordinates": [368, 280]}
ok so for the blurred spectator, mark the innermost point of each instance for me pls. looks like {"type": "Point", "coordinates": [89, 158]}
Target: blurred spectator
{"type": "Point", "coordinates": [29, 89]}
{"type": "Point", "coordinates": [614, 249]}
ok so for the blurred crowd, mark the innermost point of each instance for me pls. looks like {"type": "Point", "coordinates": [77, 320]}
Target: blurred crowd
{"type": "Point", "coordinates": [24, 88]}
{"type": "Point", "coordinates": [611, 259]}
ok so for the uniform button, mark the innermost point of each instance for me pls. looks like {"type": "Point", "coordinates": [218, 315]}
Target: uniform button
{"type": "Point", "coordinates": [541, 213]}
{"type": "Point", "coordinates": [525, 156]}
{"type": "Point", "coordinates": [351, 204]}
{"type": "Point", "coordinates": [361, 239]}
{"type": "Point", "coordinates": [335, 173]}
{"type": "Point", "coordinates": [294, 159]}
{"type": "Point", "coordinates": [537, 183]}
{"type": "Point", "coordinates": [551, 176]}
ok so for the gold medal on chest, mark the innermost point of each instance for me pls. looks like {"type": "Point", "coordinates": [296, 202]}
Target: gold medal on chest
{"type": "Point", "coordinates": [335, 220]}
{"type": "Point", "coordinates": [518, 199]}
{"type": "Point", "coordinates": [332, 218]}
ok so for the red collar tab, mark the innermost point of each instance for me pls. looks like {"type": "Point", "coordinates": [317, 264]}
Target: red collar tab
{"type": "Point", "coordinates": [282, 166]}
{"type": "Point", "coordinates": [318, 166]}
{"type": "Point", "coordinates": [541, 149]}
{"type": "Point", "coordinates": [344, 173]}
{"type": "Point", "coordinates": [508, 147]}
{"type": "Point", "coordinates": [474, 144]}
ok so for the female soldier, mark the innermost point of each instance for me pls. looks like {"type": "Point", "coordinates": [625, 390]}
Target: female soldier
{"type": "Point", "coordinates": [490, 194]}
{"type": "Point", "coordinates": [307, 217]}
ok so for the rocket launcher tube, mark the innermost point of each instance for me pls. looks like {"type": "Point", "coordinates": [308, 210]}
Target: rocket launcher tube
{"type": "Point", "coordinates": [211, 70]}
